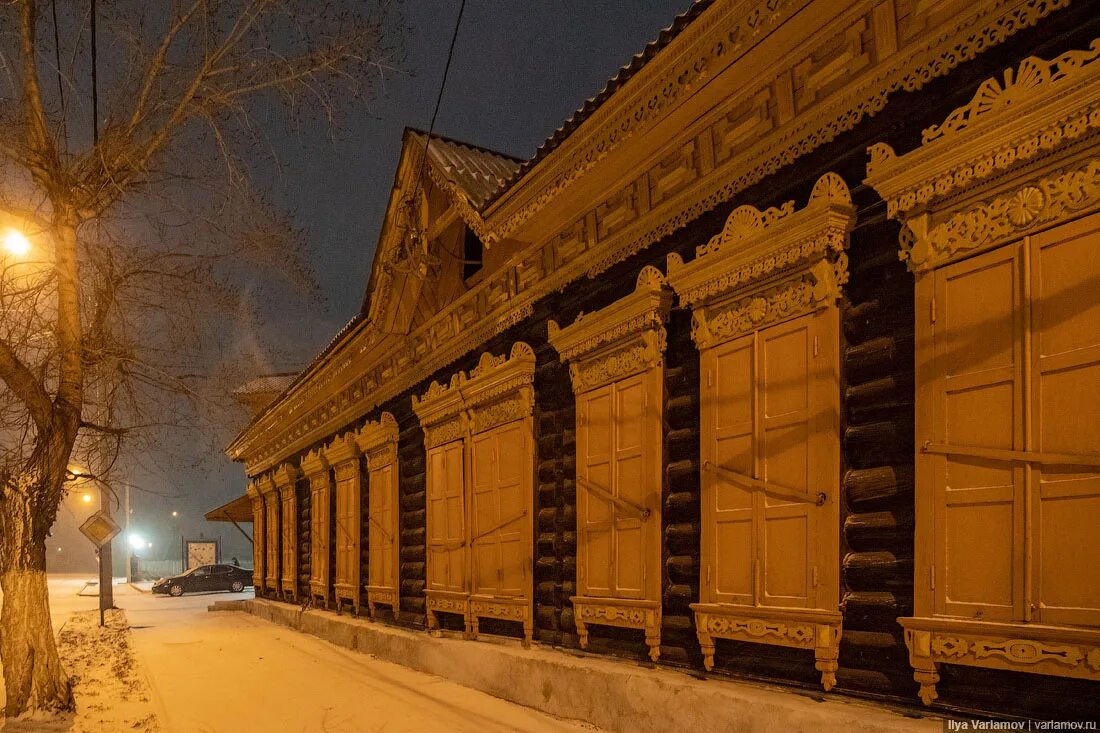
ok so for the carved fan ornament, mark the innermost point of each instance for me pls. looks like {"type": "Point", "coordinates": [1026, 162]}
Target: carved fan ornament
{"type": "Point", "coordinates": [498, 390]}
{"type": "Point", "coordinates": [767, 266]}
{"type": "Point", "coordinates": [1041, 124]}
{"type": "Point", "coordinates": [625, 338]}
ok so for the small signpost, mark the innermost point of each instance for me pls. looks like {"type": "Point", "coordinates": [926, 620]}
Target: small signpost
{"type": "Point", "coordinates": [101, 529]}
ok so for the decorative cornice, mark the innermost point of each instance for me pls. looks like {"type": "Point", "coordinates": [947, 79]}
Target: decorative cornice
{"type": "Point", "coordinates": [315, 465]}
{"type": "Point", "coordinates": [818, 83]}
{"type": "Point", "coordinates": [286, 476]}
{"type": "Point", "coordinates": [265, 485]}
{"type": "Point", "coordinates": [1022, 154]}
{"type": "Point", "coordinates": [755, 246]}
{"type": "Point", "coordinates": [498, 390]}
{"type": "Point", "coordinates": [342, 450]}
{"type": "Point", "coordinates": [378, 434]}
{"type": "Point", "coordinates": [622, 339]}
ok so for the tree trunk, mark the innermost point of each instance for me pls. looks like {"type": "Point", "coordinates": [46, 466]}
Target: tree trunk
{"type": "Point", "coordinates": [33, 678]}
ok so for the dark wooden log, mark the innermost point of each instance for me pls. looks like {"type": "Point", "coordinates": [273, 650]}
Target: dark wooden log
{"type": "Point", "coordinates": [682, 568]}
{"type": "Point", "coordinates": [413, 536]}
{"type": "Point", "coordinates": [549, 471]}
{"type": "Point", "coordinates": [547, 519]}
{"type": "Point", "coordinates": [412, 587]}
{"type": "Point", "coordinates": [412, 519]}
{"type": "Point", "coordinates": [682, 475]}
{"type": "Point", "coordinates": [682, 538]}
{"type": "Point", "coordinates": [879, 356]}
{"type": "Point", "coordinates": [682, 506]}
{"type": "Point", "coordinates": [879, 397]}
{"type": "Point", "coordinates": [878, 571]}
{"type": "Point", "coordinates": [683, 444]}
{"type": "Point", "coordinates": [886, 441]}
{"type": "Point", "coordinates": [879, 530]}
{"type": "Point", "coordinates": [413, 570]}
{"type": "Point", "coordinates": [877, 317]}
{"type": "Point", "coordinates": [413, 553]}
{"type": "Point", "coordinates": [683, 410]}
{"type": "Point", "coordinates": [413, 496]}
{"type": "Point", "coordinates": [548, 568]}
{"type": "Point", "coordinates": [870, 489]}
{"type": "Point", "coordinates": [876, 610]}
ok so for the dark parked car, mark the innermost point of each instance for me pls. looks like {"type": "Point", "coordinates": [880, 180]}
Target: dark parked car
{"type": "Point", "coordinates": [205, 578]}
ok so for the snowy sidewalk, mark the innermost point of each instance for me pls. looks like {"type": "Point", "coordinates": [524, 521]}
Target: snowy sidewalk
{"type": "Point", "coordinates": [233, 672]}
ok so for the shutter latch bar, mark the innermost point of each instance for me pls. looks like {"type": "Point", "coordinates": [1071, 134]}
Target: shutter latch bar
{"type": "Point", "coordinates": [1022, 456]}
{"type": "Point", "coordinates": [628, 506]}
{"type": "Point", "coordinates": [767, 487]}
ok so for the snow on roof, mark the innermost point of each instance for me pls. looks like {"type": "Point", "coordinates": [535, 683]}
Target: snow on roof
{"type": "Point", "coordinates": [477, 171]}
{"type": "Point", "coordinates": [266, 384]}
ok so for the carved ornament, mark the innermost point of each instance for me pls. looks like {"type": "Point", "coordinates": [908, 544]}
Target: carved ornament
{"type": "Point", "coordinates": [625, 338]}
{"type": "Point", "coordinates": [821, 82]}
{"type": "Point", "coordinates": [819, 631]}
{"type": "Point", "coordinates": [286, 476]}
{"type": "Point", "coordinates": [766, 266]}
{"type": "Point", "coordinates": [1051, 650]}
{"type": "Point", "coordinates": [498, 390]}
{"type": "Point", "coordinates": [1022, 155]}
{"type": "Point", "coordinates": [343, 453]}
{"type": "Point", "coordinates": [631, 614]}
{"type": "Point", "coordinates": [315, 466]}
{"type": "Point", "coordinates": [377, 440]}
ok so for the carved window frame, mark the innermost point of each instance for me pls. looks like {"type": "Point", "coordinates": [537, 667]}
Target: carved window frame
{"type": "Point", "coordinates": [343, 455]}
{"type": "Point", "coordinates": [765, 268]}
{"type": "Point", "coordinates": [625, 340]}
{"type": "Point", "coordinates": [272, 556]}
{"type": "Point", "coordinates": [286, 479]}
{"type": "Point", "coordinates": [498, 391]}
{"type": "Point", "coordinates": [317, 470]}
{"type": "Point", "coordinates": [378, 443]}
{"type": "Point", "coordinates": [1022, 157]}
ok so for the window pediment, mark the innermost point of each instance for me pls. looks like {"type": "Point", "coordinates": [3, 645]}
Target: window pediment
{"type": "Point", "coordinates": [765, 266]}
{"type": "Point", "coordinates": [315, 463]}
{"type": "Point", "coordinates": [499, 389]}
{"type": "Point", "coordinates": [285, 476]}
{"type": "Point", "coordinates": [622, 339]}
{"type": "Point", "coordinates": [1020, 155]}
{"type": "Point", "coordinates": [377, 440]}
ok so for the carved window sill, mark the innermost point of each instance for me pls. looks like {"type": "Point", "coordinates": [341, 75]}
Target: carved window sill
{"type": "Point", "coordinates": [319, 591]}
{"type": "Point", "coordinates": [814, 630]}
{"type": "Point", "coordinates": [347, 593]}
{"type": "Point", "coordinates": [445, 601]}
{"type": "Point", "coordinates": [1062, 651]}
{"type": "Point", "coordinates": [381, 595]}
{"type": "Point", "coordinates": [290, 587]}
{"type": "Point", "coordinates": [506, 609]}
{"type": "Point", "coordinates": [629, 614]}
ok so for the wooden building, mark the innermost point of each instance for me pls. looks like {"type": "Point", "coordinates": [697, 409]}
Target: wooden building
{"type": "Point", "coordinates": [780, 359]}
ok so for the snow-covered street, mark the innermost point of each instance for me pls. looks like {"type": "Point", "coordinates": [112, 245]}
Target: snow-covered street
{"type": "Point", "coordinates": [234, 672]}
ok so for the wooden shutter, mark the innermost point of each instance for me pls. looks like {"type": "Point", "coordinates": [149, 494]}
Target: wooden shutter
{"type": "Point", "coordinates": [446, 518]}
{"type": "Point", "coordinates": [500, 480]}
{"type": "Point", "coordinates": [1065, 408]}
{"type": "Point", "coordinates": [978, 512]}
{"type": "Point", "coordinates": [258, 549]}
{"type": "Point", "coordinates": [768, 412]}
{"type": "Point", "coordinates": [271, 503]}
{"type": "Point", "coordinates": [319, 532]}
{"type": "Point", "coordinates": [613, 444]}
{"type": "Point", "coordinates": [595, 441]}
{"type": "Point", "coordinates": [727, 435]}
{"type": "Point", "coordinates": [347, 528]}
{"type": "Point", "coordinates": [290, 536]}
{"type": "Point", "coordinates": [382, 535]}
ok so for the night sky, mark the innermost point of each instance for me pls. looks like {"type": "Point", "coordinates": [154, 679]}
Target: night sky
{"type": "Point", "coordinates": [520, 69]}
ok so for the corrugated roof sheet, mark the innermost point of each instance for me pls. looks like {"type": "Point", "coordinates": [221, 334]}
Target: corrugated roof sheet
{"type": "Point", "coordinates": [478, 172]}
{"type": "Point", "coordinates": [266, 384]}
{"type": "Point", "coordinates": [614, 84]}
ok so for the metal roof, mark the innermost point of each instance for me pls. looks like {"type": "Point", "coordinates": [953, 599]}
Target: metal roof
{"type": "Point", "coordinates": [266, 384]}
{"type": "Point", "coordinates": [238, 510]}
{"type": "Point", "coordinates": [478, 172]}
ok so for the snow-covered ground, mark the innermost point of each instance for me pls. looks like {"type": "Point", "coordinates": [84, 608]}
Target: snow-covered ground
{"type": "Point", "coordinates": [236, 673]}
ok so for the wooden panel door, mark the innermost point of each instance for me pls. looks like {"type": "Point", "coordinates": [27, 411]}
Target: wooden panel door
{"type": "Point", "coordinates": [318, 530]}
{"type": "Point", "coordinates": [727, 440]}
{"type": "Point", "coordinates": [792, 421]}
{"type": "Point", "coordinates": [977, 400]}
{"type": "Point", "coordinates": [446, 518]}
{"type": "Point", "coordinates": [271, 504]}
{"type": "Point", "coordinates": [615, 444]}
{"type": "Point", "coordinates": [382, 535]}
{"type": "Point", "coordinates": [347, 527]}
{"type": "Point", "coordinates": [769, 412]}
{"type": "Point", "coordinates": [501, 482]}
{"type": "Point", "coordinates": [1065, 377]}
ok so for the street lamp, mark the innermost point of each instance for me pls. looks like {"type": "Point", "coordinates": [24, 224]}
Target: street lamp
{"type": "Point", "coordinates": [16, 243]}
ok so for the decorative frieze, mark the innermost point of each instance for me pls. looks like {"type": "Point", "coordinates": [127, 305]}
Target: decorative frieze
{"type": "Point", "coordinates": [767, 266]}
{"type": "Point", "coordinates": [1020, 156]}
{"type": "Point", "coordinates": [625, 338]}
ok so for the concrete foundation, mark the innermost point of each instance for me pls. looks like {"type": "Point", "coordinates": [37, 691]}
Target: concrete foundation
{"type": "Point", "coordinates": [614, 695]}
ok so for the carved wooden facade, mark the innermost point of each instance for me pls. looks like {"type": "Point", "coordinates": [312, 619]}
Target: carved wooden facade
{"type": "Point", "coordinates": [286, 479]}
{"type": "Point", "coordinates": [729, 457]}
{"type": "Point", "coordinates": [378, 443]}
{"type": "Point", "coordinates": [259, 547]}
{"type": "Point", "coordinates": [764, 294]}
{"type": "Point", "coordinates": [1000, 225]}
{"type": "Point", "coordinates": [317, 472]}
{"type": "Point", "coordinates": [616, 360]}
{"type": "Point", "coordinates": [478, 433]}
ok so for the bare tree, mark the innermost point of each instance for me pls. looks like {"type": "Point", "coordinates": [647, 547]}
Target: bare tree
{"type": "Point", "coordinates": [146, 237]}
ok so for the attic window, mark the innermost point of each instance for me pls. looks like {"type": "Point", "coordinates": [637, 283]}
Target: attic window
{"type": "Point", "coordinates": [472, 250]}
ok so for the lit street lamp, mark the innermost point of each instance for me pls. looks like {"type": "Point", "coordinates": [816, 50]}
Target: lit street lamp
{"type": "Point", "coordinates": [16, 243]}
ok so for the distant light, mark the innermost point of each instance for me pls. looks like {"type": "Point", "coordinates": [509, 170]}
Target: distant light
{"type": "Point", "coordinates": [59, 549]}
{"type": "Point", "coordinates": [87, 498]}
{"type": "Point", "coordinates": [149, 545]}
{"type": "Point", "coordinates": [175, 514]}
{"type": "Point", "coordinates": [137, 541]}
{"type": "Point", "coordinates": [16, 243]}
